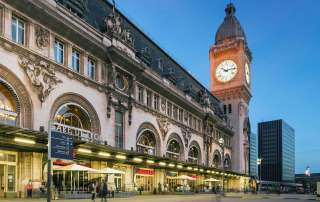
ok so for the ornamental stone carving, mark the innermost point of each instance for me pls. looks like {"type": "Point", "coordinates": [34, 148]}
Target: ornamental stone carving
{"type": "Point", "coordinates": [114, 26]}
{"type": "Point", "coordinates": [41, 75]}
{"type": "Point", "coordinates": [186, 134]}
{"type": "Point", "coordinates": [42, 37]}
{"type": "Point", "coordinates": [164, 126]}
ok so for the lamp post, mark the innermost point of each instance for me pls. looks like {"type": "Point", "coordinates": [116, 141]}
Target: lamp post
{"type": "Point", "coordinates": [259, 162]}
{"type": "Point", "coordinates": [221, 143]}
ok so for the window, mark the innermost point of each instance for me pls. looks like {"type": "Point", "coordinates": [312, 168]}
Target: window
{"type": "Point", "coordinates": [147, 143]}
{"type": "Point", "coordinates": [199, 125]}
{"type": "Point", "coordinates": [119, 129]}
{"type": "Point", "coordinates": [91, 69]}
{"type": "Point", "coordinates": [59, 52]}
{"type": "Point", "coordinates": [169, 109]}
{"type": "Point", "coordinates": [18, 30]}
{"type": "Point", "coordinates": [8, 106]}
{"type": "Point", "coordinates": [156, 102]}
{"type": "Point", "coordinates": [193, 155]}
{"type": "Point", "coordinates": [181, 115]}
{"type": "Point", "coordinates": [190, 120]}
{"type": "Point", "coordinates": [224, 109]}
{"type": "Point", "coordinates": [149, 98]}
{"type": "Point", "coordinates": [173, 149]}
{"type": "Point", "coordinates": [140, 94]}
{"type": "Point", "coordinates": [229, 108]}
{"type": "Point", "coordinates": [175, 112]}
{"type": "Point", "coordinates": [75, 60]}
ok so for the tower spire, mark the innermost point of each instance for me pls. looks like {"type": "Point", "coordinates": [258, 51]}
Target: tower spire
{"type": "Point", "coordinates": [230, 9]}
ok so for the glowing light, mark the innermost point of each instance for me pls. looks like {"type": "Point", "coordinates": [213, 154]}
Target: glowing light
{"type": "Point", "coordinates": [82, 150]}
{"type": "Point", "coordinates": [122, 157]}
{"type": "Point", "coordinates": [104, 154]}
{"type": "Point", "coordinates": [138, 160]}
{"type": "Point", "coordinates": [189, 168]}
{"type": "Point", "coordinates": [23, 140]}
{"type": "Point", "coordinates": [162, 164]}
{"type": "Point", "coordinates": [150, 161]}
{"type": "Point", "coordinates": [179, 166]}
{"type": "Point", "coordinates": [171, 165]}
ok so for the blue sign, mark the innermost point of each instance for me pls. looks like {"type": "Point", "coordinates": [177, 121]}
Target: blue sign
{"type": "Point", "coordinates": [61, 145]}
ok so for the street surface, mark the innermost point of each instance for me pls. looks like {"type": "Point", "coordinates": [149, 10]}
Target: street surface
{"type": "Point", "coordinates": [190, 198]}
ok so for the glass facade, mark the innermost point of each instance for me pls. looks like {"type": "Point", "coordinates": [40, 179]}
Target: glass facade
{"type": "Point", "coordinates": [276, 148]}
{"type": "Point", "coordinates": [253, 155]}
{"type": "Point", "coordinates": [288, 153]}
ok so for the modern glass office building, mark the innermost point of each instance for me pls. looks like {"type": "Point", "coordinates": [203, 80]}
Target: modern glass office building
{"type": "Point", "coordinates": [253, 169]}
{"type": "Point", "coordinates": [277, 150]}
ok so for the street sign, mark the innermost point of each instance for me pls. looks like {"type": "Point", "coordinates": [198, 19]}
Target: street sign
{"type": "Point", "coordinates": [61, 146]}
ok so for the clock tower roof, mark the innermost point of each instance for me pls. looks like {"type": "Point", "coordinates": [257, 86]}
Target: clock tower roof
{"type": "Point", "coordinates": [230, 28]}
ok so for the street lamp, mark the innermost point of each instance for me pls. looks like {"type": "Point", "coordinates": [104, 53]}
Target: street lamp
{"type": "Point", "coordinates": [259, 162]}
{"type": "Point", "coordinates": [221, 143]}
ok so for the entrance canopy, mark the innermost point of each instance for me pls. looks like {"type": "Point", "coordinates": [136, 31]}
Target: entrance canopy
{"type": "Point", "coordinates": [184, 177]}
{"type": "Point", "coordinates": [110, 171]}
{"type": "Point", "coordinates": [211, 180]}
{"type": "Point", "coordinates": [75, 167]}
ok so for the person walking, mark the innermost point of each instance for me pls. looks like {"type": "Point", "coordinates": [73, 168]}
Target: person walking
{"type": "Point", "coordinates": [93, 191]}
{"type": "Point", "coordinates": [29, 188]}
{"type": "Point", "coordinates": [104, 191]}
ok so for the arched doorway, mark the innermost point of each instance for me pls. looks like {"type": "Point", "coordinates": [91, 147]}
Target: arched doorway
{"type": "Point", "coordinates": [9, 105]}
{"type": "Point", "coordinates": [175, 148]}
{"type": "Point", "coordinates": [216, 162]}
{"type": "Point", "coordinates": [147, 142]}
{"type": "Point", "coordinates": [194, 154]}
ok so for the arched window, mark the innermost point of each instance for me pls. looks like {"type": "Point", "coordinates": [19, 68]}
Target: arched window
{"type": "Point", "coordinates": [73, 115]}
{"type": "Point", "coordinates": [173, 149]}
{"type": "Point", "coordinates": [216, 160]}
{"type": "Point", "coordinates": [8, 106]}
{"type": "Point", "coordinates": [227, 162]}
{"type": "Point", "coordinates": [193, 155]}
{"type": "Point", "coordinates": [147, 143]}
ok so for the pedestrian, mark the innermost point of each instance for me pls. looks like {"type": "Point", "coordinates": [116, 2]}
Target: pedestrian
{"type": "Point", "coordinates": [104, 191]}
{"type": "Point", "coordinates": [29, 189]}
{"type": "Point", "coordinates": [93, 191]}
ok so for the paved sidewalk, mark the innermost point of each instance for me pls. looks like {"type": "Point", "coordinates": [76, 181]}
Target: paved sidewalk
{"type": "Point", "coordinates": [187, 198]}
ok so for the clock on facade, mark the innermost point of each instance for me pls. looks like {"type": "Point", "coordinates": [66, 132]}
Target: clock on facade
{"type": "Point", "coordinates": [247, 69]}
{"type": "Point", "coordinates": [226, 70]}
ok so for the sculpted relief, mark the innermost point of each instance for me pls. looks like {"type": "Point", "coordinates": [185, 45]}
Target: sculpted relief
{"type": "Point", "coordinates": [41, 75]}
{"type": "Point", "coordinates": [164, 126]}
{"type": "Point", "coordinates": [42, 37]}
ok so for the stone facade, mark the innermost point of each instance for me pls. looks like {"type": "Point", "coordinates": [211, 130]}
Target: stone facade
{"type": "Point", "coordinates": [121, 83]}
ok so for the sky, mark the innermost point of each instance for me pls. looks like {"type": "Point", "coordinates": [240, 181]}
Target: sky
{"type": "Point", "coordinates": [284, 37]}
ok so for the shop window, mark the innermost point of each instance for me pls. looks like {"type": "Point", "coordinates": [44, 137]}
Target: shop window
{"type": "Point", "coordinates": [173, 149]}
{"type": "Point", "coordinates": [119, 130]}
{"type": "Point", "coordinates": [75, 61]}
{"type": "Point", "coordinates": [193, 155]}
{"type": "Point", "coordinates": [59, 52]}
{"type": "Point", "coordinates": [147, 143]}
{"type": "Point", "coordinates": [91, 69]}
{"type": "Point", "coordinates": [8, 106]}
{"type": "Point", "coordinates": [18, 30]}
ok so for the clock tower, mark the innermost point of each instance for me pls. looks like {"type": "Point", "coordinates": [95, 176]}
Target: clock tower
{"type": "Point", "coordinates": [230, 60]}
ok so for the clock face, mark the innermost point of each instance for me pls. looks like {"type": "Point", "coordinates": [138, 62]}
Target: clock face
{"type": "Point", "coordinates": [247, 69]}
{"type": "Point", "coordinates": [226, 70]}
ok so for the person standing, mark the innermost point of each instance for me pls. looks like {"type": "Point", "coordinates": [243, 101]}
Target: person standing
{"type": "Point", "coordinates": [93, 191]}
{"type": "Point", "coordinates": [29, 189]}
{"type": "Point", "coordinates": [104, 191]}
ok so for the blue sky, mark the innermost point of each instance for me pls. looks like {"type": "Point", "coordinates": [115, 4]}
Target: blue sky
{"type": "Point", "coordinates": [284, 37]}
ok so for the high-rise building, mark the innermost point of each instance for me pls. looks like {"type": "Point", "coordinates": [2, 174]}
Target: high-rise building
{"type": "Point", "coordinates": [277, 150]}
{"type": "Point", "coordinates": [253, 155]}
